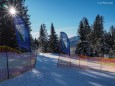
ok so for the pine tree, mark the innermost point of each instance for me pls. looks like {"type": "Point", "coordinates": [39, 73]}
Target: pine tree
{"type": "Point", "coordinates": [98, 27]}
{"type": "Point", "coordinates": [81, 31]}
{"type": "Point", "coordinates": [98, 34]}
{"type": "Point", "coordinates": [90, 36]}
{"type": "Point", "coordinates": [112, 31]}
{"type": "Point", "coordinates": [53, 41]}
{"type": "Point", "coordinates": [84, 32]}
{"type": "Point", "coordinates": [86, 27]}
{"type": "Point", "coordinates": [106, 42]}
{"type": "Point", "coordinates": [43, 38]}
{"type": "Point", "coordinates": [36, 43]}
{"type": "Point", "coordinates": [1, 23]}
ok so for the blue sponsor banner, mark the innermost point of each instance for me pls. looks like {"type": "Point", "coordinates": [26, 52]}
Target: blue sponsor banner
{"type": "Point", "coordinates": [65, 44]}
{"type": "Point", "coordinates": [22, 33]}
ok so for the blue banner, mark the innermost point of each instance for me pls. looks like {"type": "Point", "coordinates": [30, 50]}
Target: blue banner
{"type": "Point", "coordinates": [65, 44]}
{"type": "Point", "coordinates": [22, 33]}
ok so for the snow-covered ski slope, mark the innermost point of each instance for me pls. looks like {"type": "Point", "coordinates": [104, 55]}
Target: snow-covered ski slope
{"type": "Point", "coordinates": [47, 73]}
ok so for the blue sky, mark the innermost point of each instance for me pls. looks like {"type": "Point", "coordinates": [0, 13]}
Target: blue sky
{"type": "Point", "coordinates": [66, 14]}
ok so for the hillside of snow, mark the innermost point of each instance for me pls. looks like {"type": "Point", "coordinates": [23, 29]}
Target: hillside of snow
{"type": "Point", "coordinates": [46, 73]}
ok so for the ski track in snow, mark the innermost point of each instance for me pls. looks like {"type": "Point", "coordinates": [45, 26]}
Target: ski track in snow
{"type": "Point", "coordinates": [47, 73]}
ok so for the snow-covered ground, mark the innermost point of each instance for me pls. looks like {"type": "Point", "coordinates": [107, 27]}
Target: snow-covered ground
{"type": "Point", "coordinates": [47, 73]}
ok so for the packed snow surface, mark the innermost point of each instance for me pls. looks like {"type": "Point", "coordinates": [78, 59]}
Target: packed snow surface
{"type": "Point", "coordinates": [46, 73]}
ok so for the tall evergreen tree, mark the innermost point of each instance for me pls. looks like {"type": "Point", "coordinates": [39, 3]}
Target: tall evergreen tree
{"type": "Point", "coordinates": [112, 32]}
{"type": "Point", "coordinates": [81, 31]}
{"type": "Point", "coordinates": [98, 27]}
{"type": "Point", "coordinates": [84, 30]}
{"type": "Point", "coordinates": [43, 38]}
{"type": "Point", "coordinates": [106, 42]}
{"type": "Point", "coordinates": [53, 41]}
{"type": "Point", "coordinates": [87, 28]}
{"type": "Point", "coordinates": [98, 34]}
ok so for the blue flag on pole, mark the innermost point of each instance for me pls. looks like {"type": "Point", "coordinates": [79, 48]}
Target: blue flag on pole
{"type": "Point", "coordinates": [22, 33]}
{"type": "Point", "coordinates": [65, 44]}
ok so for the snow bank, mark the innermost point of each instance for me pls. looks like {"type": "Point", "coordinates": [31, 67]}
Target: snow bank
{"type": "Point", "coordinates": [47, 73]}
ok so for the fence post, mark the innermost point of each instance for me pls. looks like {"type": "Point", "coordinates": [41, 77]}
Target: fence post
{"type": "Point", "coordinates": [30, 53]}
{"type": "Point", "coordinates": [79, 61]}
{"type": "Point", "coordinates": [101, 63]}
{"type": "Point", "coordinates": [7, 61]}
{"type": "Point", "coordinates": [35, 61]}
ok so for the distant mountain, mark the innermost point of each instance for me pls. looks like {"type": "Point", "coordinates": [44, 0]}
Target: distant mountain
{"type": "Point", "coordinates": [74, 40]}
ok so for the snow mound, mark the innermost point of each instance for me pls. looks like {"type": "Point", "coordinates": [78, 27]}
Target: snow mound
{"type": "Point", "coordinates": [46, 73]}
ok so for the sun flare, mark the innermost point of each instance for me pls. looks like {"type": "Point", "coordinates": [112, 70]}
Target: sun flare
{"type": "Point", "coordinates": [12, 11]}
